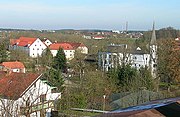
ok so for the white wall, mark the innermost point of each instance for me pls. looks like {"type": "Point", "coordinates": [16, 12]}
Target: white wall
{"type": "Point", "coordinates": [33, 95]}
{"type": "Point", "coordinates": [37, 48]}
{"type": "Point", "coordinates": [68, 53]}
{"type": "Point", "coordinates": [19, 70]}
{"type": "Point", "coordinates": [48, 42]}
{"type": "Point", "coordinates": [83, 50]}
{"type": "Point", "coordinates": [140, 60]}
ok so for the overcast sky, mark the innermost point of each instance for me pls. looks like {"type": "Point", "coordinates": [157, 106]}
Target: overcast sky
{"type": "Point", "coordinates": [89, 14]}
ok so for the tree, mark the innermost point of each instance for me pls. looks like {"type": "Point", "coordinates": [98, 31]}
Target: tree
{"type": "Point", "coordinates": [55, 68]}
{"type": "Point", "coordinates": [18, 55]}
{"type": "Point", "coordinates": [60, 62]}
{"type": "Point", "coordinates": [131, 79]}
{"type": "Point", "coordinates": [3, 53]}
{"type": "Point", "coordinates": [168, 63]}
{"type": "Point", "coordinates": [47, 58]}
{"type": "Point", "coordinates": [55, 78]}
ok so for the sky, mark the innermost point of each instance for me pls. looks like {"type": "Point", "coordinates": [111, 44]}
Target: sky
{"type": "Point", "coordinates": [89, 14]}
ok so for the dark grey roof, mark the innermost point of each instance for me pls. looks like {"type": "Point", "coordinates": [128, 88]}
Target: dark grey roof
{"type": "Point", "coordinates": [159, 108]}
{"type": "Point", "coordinates": [139, 51]}
{"type": "Point", "coordinates": [153, 38]}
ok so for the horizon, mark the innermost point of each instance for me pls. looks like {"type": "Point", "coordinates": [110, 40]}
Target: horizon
{"type": "Point", "coordinates": [89, 14]}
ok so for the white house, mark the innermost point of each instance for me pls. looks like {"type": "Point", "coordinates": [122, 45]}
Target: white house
{"type": "Point", "coordinates": [47, 42]}
{"type": "Point", "coordinates": [33, 46]}
{"type": "Point", "coordinates": [25, 94]}
{"type": "Point", "coordinates": [69, 49]}
{"type": "Point", "coordinates": [112, 59]}
{"type": "Point", "coordinates": [139, 58]}
{"type": "Point", "coordinates": [116, 54]}
{"type": "Point", "coordinates": [98, 37]}
{"type": "Point", "coordinates": [13, 66]}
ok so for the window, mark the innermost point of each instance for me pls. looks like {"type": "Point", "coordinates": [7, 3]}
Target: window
{"type": "Point", "coordinates": [35, 45]}
{"type": "Point", "coordinates": [33, 48]}
{"type": "Point", "coordinates": [40, 44]}
{"type": "Point", "coordinates": [37, 48]}
{"type": "Point", "coordinates": [42, 97]}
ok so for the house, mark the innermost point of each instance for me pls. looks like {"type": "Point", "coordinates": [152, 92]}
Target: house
{"type": "Point", "coordinates": [79, 47]}
{"type": "Point", "coordinates": [47, 42]}
{"type": "Point", "coordinates": [13, 66]}
{"type": "Point", "coordinates": [32, 46]}
{"type": "Point", "coordinates": [117, 54]}
{"type": "Point", "coordinates": [139, 58]}
{"type": "Point", "coordinates": [157, 108]}
{"type": "Point", "coordinates": [69, 49]}
{"type": "Point", "coordinates": [87, 37]}
{"type": "Point", "coordinates": [113, 57]}
{"type": "Point", "coordinates": [24, 94]}
{"type": "Point", "coordinates": [98, 37]}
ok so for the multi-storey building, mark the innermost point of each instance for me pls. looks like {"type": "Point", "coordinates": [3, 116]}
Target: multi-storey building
{"type": "Point", "coordinates": [119, 53]}
{"type": "Point", "coordinates": [32, 46]}
{"type": "Point", "coordinates": [69, 49]}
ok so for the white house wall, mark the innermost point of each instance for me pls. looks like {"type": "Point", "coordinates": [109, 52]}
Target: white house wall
{"type": "Point", "coordinates": [33, 95]}
{"type": "Point", "coordinates": [112, 60]}
{"type": "Point", "coordinates": [48, 42]}
{"type": "Point", "coordinates": [37, 48]}
{"type": "Point", "coordinates": [19, 70]}
{"type": "Point", "coordinates": [140, 60]}
{"type": "Point", "coordinates": [68, 53]}
{"type": "Point", "coordinates": [83, 50]}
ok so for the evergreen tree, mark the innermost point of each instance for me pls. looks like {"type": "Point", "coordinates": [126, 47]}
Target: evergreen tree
{"type": "Point", "coordinates": [47, 58]}
{"type": "Point", "coordinates": [3, 53]}
{"type": "Point", "coordinates": [59, 62]}
{"type": "Point", "coordinates": [55, 78]}
{"type": "Point", "coordinates": [131, 79]}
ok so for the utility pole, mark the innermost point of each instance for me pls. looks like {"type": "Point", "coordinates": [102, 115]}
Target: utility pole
{"type": "Point", "coordinates": [104, 102]}
{"type": "Point", "coordinates": [126, 27]}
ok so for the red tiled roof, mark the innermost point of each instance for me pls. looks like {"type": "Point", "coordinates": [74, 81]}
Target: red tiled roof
{"type": "Point", "coordinates": [76, 45]}
{"type": "Point", "coordinates": [2, 74]}
{"type": "Point", "coordinates": [64, 46]}
{"type": "Point", "coordinates": [14, 84]}
{"type": "Point", "coordinates": [22, 41]}
{"type": "Point", "coordinates": [13, 65]}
